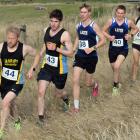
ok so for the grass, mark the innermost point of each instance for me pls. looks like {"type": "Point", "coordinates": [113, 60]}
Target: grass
{"type": "Point", "coordinates": [108, 119]}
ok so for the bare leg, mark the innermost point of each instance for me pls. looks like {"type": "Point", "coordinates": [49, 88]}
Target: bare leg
{"type": "Point", "coordinates": [6, 102]}
{"type": "Point", "coordinates": [135, 64]}
{"type": "Point", "coordinates": [76, 82]}
{"type": "Point", "coordinates": [42, 85]}
{"type": "Point", "coordinates": [116, 68]}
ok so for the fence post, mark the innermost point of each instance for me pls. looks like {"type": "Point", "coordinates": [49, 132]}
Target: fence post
{"type": "Point", "coordinates": [23, 33]}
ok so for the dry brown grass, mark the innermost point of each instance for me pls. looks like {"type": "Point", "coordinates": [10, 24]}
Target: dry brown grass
{"type": "Point", "coordinates": [110, 118]}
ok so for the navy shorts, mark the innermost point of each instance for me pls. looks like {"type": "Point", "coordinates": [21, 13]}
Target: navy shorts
{"type": "Point", "coordinates": [136, 46]}
{"type": "Point", "coordinates": [59, 80]}
{"type": "Point", "coordinates": [113, 53]}
{"type": "Point", "coordinates": [16, 88]}
{"type": "Point", "coordinates": [89, 64]}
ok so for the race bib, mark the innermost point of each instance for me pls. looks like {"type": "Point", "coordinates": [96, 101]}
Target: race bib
{"type": "Point", "coordinates": [117, 43]}
{"type": "Point", "coordinates": [52, 60]}
{"type": "Point", "coordinates": [137, 36]}
{"type": "Point", "coordinates": [10, 74]}
{"type": "Point", "coordinates": [83, 44]}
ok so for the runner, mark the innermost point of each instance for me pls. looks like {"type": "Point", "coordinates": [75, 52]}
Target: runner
{"type": "Point", "coordinates": [12, 55]}
{"type": "Point", "coordinates": [117, 32]}
{"type": "Point", "coordinates": [86, 56]}
{"type": "Point", "coordinates": [57, 46]}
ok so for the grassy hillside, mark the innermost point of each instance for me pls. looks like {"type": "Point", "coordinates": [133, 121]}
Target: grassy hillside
{"type": "Point", "coordinates": [67, 1]}
{"type": "Point", "coordinates": [108, 118]}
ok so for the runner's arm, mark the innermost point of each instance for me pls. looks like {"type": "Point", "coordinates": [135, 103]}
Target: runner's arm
{"type": "Point", "coordinates": [66, 40]}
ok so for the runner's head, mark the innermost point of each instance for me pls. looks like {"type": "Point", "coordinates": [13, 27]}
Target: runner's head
{"type": "Point", "coordinates": [120, 12]}
{"type": "Point", "coordinates": [56, 16]}
{"type": "Point", "coordinates": [85, 12]}
{"type": "Point", "coordinates": [12, 34]}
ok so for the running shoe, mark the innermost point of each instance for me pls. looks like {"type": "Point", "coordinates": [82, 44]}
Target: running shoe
{"type": "Point", "coordinates": [95, 91]}
{"type": "Point", "coordinates": [17, 124]}
{"type": "Point", "coordinates": [115, 91]}
{"type": "Point", "coordinates": [1, 134]}
{"type": "Point", "coordinates": [66, 105]}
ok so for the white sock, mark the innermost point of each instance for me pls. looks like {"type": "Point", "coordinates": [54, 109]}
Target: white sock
{"type": "Point", "coordinates": [76, 104]}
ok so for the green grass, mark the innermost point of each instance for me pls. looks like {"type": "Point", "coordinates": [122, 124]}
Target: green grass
{"type": "Point", "coordinates": [29, 13]}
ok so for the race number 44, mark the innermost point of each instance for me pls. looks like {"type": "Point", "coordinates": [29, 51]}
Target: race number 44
{"type": "Point", "coordinates": [10, 74]}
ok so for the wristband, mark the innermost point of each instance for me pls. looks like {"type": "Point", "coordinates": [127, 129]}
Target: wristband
{"type": "Point", "coordinates": [95, 48]}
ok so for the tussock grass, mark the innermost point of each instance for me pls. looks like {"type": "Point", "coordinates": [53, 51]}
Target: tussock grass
{"type": "Point", "coordinates": [110, 118]}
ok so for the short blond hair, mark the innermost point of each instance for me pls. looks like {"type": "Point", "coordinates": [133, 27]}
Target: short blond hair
{"type": "Point", "coordinates": [13, 29]}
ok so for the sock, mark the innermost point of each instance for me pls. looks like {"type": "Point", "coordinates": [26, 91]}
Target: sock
{"type": "Point", "coordinates": [41, 117]}
{"type": "Point", "coordinates": [76, 104]}
{"type": "Point", "coordinates": [115, 84]}
{"type": "Point", "coordinates": [65, 99]}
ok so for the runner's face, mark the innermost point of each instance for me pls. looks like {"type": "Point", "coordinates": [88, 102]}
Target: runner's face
{"type": "Point", "coordinates": [54, 23]}
{"type": "Point", "coordinates": [120, 14]}
{"type": "Point", "coordinates": [84, 14]}
{"type": "Point", "coordinates": [12, 39]}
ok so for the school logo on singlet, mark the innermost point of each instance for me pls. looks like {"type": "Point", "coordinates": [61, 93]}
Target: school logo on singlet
{"type": "Point", "coordinates": [10, 62]}
{"type": "Point", "coordinates": [9, 74]}
{"type": "Point", "coordinates": [83, 32]}
{"type": "Point", "coordinates": [118, 30]}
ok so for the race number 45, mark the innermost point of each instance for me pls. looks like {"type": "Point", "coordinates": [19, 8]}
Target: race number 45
{"type": "Point", "coordinates": [10, 74]}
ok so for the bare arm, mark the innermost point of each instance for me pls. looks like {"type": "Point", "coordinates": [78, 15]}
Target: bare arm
{"type": "Point", "coordinates": [76, 43]}
{"type": "Point", "coordinates": [134, 28]}
{"type": "Point", "coordinates": [66, 40]}
{"type": "Point", "coordinates": [38, 57]}
{"type": "Point", "coordinates": [28, 50]}
{"type": "Point", "coordinates": [101, 36]}
{"type": "Point", "coordinates": [101, 40]}
{"type": "Point", "coordinates": [1, 44]}
{"type": "Point", "coordinates": [36, 61]}
{"type": "Point", "coordinates": [105, 30]}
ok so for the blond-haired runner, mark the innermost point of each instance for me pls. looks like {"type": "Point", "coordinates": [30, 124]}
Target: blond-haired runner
{"type": "Point", "coordinates": [12, 54]}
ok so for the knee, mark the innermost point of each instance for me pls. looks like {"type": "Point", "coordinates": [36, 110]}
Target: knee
{"type": "Point", "coordinates": [41, 92]}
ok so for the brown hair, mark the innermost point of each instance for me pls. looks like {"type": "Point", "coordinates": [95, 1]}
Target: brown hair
{"type": "Point", "coordinates": [122, 7]}
{"type": "Point", "coordinates": [14, 30]}
{"type": "Point", "coordinates": [88, 7]}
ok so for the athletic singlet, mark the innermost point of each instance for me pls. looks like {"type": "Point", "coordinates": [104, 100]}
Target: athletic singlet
{"type": "Point", "coordinates": [12, 65]}
{"type": "Point", "coordinates": [119, 31]}
{"type": "Point", "coordinates": [55, 61]}
{"type": "Point", "coordinates": [87, 39]}
{"type": "Point", "coordinates": [136, 39]}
